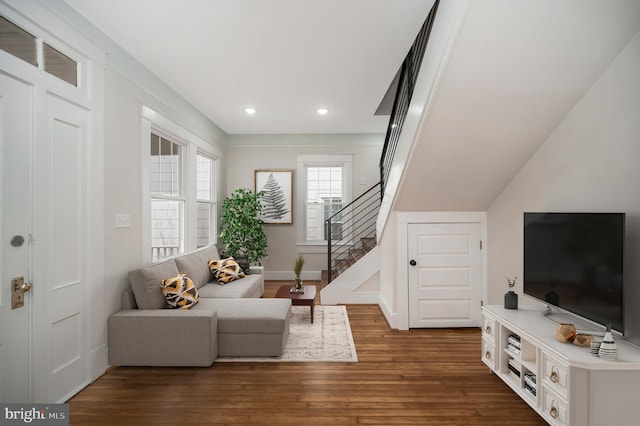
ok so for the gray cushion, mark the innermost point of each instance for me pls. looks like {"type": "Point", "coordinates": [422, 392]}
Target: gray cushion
{"type": "Point", "coordinates": [195, 264]}
{"type": "Point", "coordinates": [145, 284]}
{"type": "Point", "coordinates": [251, 316]}
{"type": "Point", "coordinates": [248, 286]}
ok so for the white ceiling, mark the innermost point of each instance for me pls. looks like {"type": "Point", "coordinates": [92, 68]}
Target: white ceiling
{"type": "Point", "coordinates": [516, 70]}
{"type": "Point", "coordinates": [285, 58]}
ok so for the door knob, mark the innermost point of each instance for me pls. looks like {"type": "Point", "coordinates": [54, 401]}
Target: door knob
{"type": "Point", "coordinates": [412, 262]}
{"type": "Point", "coordinates": [18, 288]}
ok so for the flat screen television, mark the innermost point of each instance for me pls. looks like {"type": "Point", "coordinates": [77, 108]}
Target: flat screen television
{"type": "Point", "coordinates": [574, 261]}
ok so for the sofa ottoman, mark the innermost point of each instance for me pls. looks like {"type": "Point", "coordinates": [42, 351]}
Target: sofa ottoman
{"type": "Point", "coordinates": [250, 327]}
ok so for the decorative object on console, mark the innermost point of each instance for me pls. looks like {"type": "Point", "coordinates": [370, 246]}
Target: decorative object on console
{"type": "Point", "coordinates": [583, 340]}
{"type": "Point", "coordinates": [566, 333]}
{"type": "Point", "coordinates": [595, 347]}
{"type": "Point", "coordinates": [511, 297]}
{"type": "Point", "coordinates": [608, 349]}
{"type": "Point", "coordinates": [297, 270]}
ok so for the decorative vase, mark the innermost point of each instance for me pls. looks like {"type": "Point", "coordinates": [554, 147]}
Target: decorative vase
{"type": "Point", "coordinates": [608, 349]}
{"type": "Point", "coordinates": [583, 340]}
{"type": "Point", "coordinates": [298, 285]}
{"type": "Point", "coordinates": [511, 300]}
{"type": "Point", "coordinates": [566, 333]}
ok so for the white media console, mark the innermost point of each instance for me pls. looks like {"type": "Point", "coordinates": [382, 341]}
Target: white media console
{"type": "Point", "coordinates": [564, 383]}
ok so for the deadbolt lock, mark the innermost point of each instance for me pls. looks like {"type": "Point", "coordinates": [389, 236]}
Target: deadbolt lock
{"type": "Point", "coordinates": [18, 288]}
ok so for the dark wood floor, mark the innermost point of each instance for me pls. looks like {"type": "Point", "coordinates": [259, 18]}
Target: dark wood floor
{"type": "Point", "coordinates": [415, 377]}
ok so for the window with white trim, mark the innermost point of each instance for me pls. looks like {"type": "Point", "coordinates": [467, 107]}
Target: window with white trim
{"type": "Point", "coordinates": [180, 188]}
{"type": "Point", "coordinates": [326, 180]}
{"type": "Point", "coordinates": [324, 198]}
{"type": "Point", "coordinates": [166, 172]}
{"type": "Point", "coordinates": [205, 200]}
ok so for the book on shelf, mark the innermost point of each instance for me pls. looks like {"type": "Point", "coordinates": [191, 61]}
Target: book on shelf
{"type": "Point", "coordinates": [514, 349]}
{"type": "Point", "coordinates": [514, 340]}
{"type": "Point", "coordinates": [514, 368]}
{"type": "Point", "coordinates": [529, 390]}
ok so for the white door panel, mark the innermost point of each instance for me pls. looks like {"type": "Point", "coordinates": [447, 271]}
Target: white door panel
{"type": "Point", "coordinates": [445, 284]}
{"type": "Point", "coordinates": [60, 203]}
{"type": "Point", "coordinates": [16, 112]}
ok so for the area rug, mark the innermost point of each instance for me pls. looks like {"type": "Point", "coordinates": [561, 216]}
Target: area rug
{"type": "Point", "coordinates": [328, 339]}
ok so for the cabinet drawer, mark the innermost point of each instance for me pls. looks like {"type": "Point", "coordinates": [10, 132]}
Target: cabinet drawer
{"type": "Point", "coordinates": [489, 329]}
{"type": "Point", "coordinates": [554, 408]}
{"type": "Point", "coordinates": [489, 354]}
{"type": "Point", "coordinates": [555, 375]}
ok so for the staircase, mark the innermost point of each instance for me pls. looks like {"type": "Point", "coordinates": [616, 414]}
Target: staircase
{"type": "Point", "coordinates": [357, 232]}
{"type": "Point", "coordinates": [351, 232]}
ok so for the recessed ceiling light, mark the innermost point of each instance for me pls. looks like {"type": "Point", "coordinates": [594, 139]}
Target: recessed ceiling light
{"type": "Point", "coordinates": [322, 111]}
{"type": "Point", "coordinates": [250, 111]}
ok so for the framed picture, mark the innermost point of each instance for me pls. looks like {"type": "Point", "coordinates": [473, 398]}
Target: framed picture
{"type": "Point", "coordinates": [277, 203]}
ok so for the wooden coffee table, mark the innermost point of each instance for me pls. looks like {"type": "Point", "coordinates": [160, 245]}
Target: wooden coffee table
{"type": "Point", "coordinates": [308, 298]}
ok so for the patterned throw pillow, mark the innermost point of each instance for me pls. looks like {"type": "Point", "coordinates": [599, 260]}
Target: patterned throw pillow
{"type": "Point", "coordinates": [180, 292]}
{"type": "Point", "coordinates": [226, 270]}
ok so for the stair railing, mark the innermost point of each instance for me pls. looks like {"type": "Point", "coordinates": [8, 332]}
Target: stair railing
{"type": "Point", "coordinates": [408, 76]}
{"type": "Point", "coordinates": [346, 229]}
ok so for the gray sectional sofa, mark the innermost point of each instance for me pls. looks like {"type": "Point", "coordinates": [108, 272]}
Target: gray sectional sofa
{"type": "Point", "coordinates": [228, 320]}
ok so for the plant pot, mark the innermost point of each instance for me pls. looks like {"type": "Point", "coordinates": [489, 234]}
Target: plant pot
{"type": "Point", "coordinates": [511, 300]}
{"type": "Point", "coordinates": [298, 285]}
{"type": "Point", "coordinates": [243, 261]}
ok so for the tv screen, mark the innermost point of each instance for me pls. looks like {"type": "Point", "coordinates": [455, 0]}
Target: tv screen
{"type": "Point", "coordinates": [574, 261]}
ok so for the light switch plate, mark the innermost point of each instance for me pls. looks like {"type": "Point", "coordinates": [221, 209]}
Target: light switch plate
{"type": "Point", "coordinates": [123, 220]}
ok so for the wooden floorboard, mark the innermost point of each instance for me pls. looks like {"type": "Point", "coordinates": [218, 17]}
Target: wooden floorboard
{"type": "Point", "coordinates": [415, 377]}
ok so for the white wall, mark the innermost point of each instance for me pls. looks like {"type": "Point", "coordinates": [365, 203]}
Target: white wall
{"type": "Point", "coordinates": [591, 162]}
{"type": "Point", "coordinates": [246, 153]}
{"type": "Point", "coordinates": [123, 172]}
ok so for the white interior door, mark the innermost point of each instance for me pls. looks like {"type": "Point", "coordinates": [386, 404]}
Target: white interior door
{"type": "Point", "coordinates": [60, 251]}
{"type": "Point", "coordinates": [16, 114]}
{"type": "Point", "coordinates": [445, 275]}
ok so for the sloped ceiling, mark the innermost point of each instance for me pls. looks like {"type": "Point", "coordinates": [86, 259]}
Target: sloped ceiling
{"type": "Point", "coordinates": [515, 71]}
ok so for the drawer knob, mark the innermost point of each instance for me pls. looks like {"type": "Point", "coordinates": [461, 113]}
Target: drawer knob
{"type": "Point", "coordinates": [487, 355]}
{"type": "Point", "coordinates": [554, 375]}
{"type": "Point", "coordinates": [487, 329]}
{"type": "Point", "coordinates": [553, 411]}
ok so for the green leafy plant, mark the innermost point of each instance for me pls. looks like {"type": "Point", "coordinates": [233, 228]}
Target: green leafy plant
{"type": "Point", "coordinates": [242, 230]}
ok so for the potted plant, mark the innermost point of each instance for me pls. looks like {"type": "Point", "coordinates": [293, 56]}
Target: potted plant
{"type": "Point", "coordinates": [511, 297]}
{"type": "Point", "coordinates": [297, 270]}
{"type": "Point", "coordinates": [241, 229]}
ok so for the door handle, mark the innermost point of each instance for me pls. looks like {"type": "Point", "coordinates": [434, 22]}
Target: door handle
{"type": "Point", "coordinates": [18, 288]}
{"type": "Point", "coordinates": [412, 262]}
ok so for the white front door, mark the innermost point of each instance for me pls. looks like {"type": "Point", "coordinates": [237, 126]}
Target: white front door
{"type": "Point", "coordinates": [16, 113]}
{"type": "Point", "coordinates": [43, 213]}
{"type": "Point", "coordinates": [60, 251]}
{"type": "Point", "coordinates": [445, 275]}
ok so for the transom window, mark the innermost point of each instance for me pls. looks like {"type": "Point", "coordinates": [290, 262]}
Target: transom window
{"type": "Point", "coordinates": [23, 45]}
